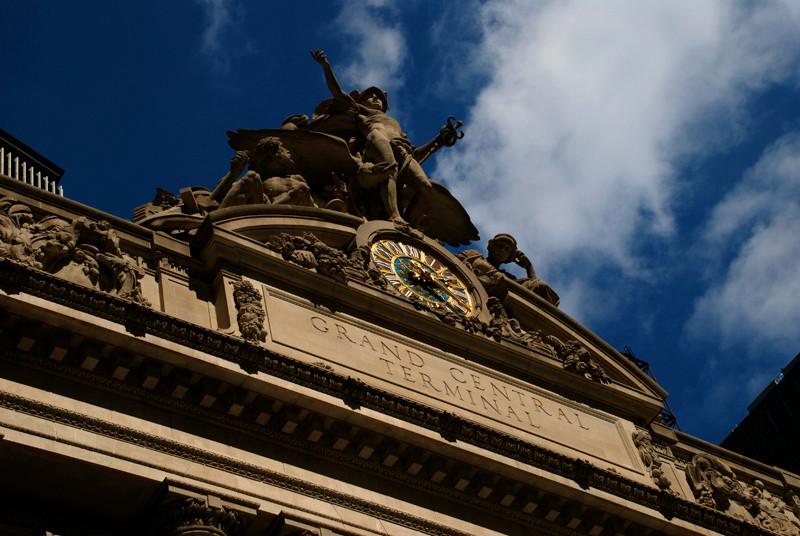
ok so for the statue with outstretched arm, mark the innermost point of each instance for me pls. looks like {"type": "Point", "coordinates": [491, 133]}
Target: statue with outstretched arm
{"type": "Point", "coordinates": [387, 148]}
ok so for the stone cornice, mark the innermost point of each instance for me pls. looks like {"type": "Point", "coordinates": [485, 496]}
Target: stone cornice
{"type": "Point", "coordinates": [65, 207]}
{"type": "Point", "coordinates": [139, 320]}
{"type": "Point", "coordinates": [204, 457]}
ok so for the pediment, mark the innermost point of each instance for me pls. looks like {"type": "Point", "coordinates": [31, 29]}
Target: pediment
{"type": "Point", "coordinates": [535, 313]}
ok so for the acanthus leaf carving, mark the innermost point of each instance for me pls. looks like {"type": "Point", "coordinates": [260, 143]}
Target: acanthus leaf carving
{"type": "Point", "coordinates": [771, 512]}
{"type": "Point", "coordinates": [310, 252]}
{"type": "Point", "coordinates": [193, 516]}
{"type": "Point", "coordinates": [576, 358]}
{"type": "Point", "coordinates": [360, 263]}
{"type": "Point", "coordinates": [503, 326]}
{"type": "Point", "coordinates": [716, 486]}
{"type": "Point", "coordinates": [352, 391]}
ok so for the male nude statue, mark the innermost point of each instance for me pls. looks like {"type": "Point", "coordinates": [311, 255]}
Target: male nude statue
{"type": "Point", "coordinates": [387, 148]}
{"type": "Point", "coordinates": [268, 181]}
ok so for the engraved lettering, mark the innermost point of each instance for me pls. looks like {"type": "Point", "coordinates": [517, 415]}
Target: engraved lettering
{"type": "Point", "coordinates": [395, 353]}
{"type": "Point", "coordinates": [561, 413]}
{"type": "Point", "coordinates": [579, 422]}
{"type": "Point", "coordinates": [472, 400]}
{"type": "Point", "coordinates": [343, 333]}
{"type": "Point", "coordinates": [521, 400]}
{"type": "Point", "coordinates": [476, 381]}
{"type": "Point", "coordinates": [485, 395]}
{"type": "Point", "coordinates": [411, 355]}
{"type": "Point", "coordinates": [503, 393]}
{"type": "Point", "coordinates": [531, 421]}
{"type": "Point", "coordinates": [453, 371]}
{"type": "Point", "coordinates": [487, 404]}
{"type": "Point", "coordinates": [364, 341]}
{"type": "Point", "coordinates": [514, 413]}
{"type": "Point", "coordinates": [426, 380]}
{"type": "Point", "coordinates": [407, 374]}
{"type": "Point", "coordinates": [388, 365]}
{"type": "Point", "coordinates": [538, 405]}
{"type": "Point", "coordinates": [319, 324]}
{"type": "Point", "coordinates": [450, 392]}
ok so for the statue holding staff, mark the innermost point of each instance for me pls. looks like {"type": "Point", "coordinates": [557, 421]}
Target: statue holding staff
{"type": "Point", "coordinates": [395, 162]}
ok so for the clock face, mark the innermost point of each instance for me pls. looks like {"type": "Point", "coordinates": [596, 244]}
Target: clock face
{"type": "Point", "coordinates": [414, 272]}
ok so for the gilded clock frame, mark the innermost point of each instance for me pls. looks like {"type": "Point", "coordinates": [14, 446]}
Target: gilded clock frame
{"type": "Point", "coordinates": [371, 233]}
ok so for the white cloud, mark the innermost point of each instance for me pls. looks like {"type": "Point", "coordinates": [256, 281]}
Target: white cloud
{"type": "Point", "coordinates": [745, 323]}
{"type": "Point", "coordinates": [572, 143]}
{"type": "Point", "coordinates": [754, 304]}
{"type": "Point", "coordinates": [380, 47]}
{"type": "Point", "coordinates": [222, 18]}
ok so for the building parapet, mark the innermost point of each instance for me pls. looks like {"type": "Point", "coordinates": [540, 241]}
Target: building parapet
{"type": "Point", "coordinates": [22, 163]}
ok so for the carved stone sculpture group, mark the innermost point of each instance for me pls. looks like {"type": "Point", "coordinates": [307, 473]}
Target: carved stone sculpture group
{"type": "Point", "coordinates": [502, 249]}
{"type": "Point", "coordinates": [350, 157]}
{"type": "Point", "coordinates": [83, 251]}
{"type": "Point", "coordinates": [716, 486]}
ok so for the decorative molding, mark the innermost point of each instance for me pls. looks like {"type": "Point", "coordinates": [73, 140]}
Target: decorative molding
{"type": "Point", "coordinates": [234, 466]}
{"type": "Point", "coordinates": [15, 277]}
{"type": "Point", "coordinates": [82, 251]}
{"type": "Point", "coordinates": [651, 459]}
{"type": "Point", "coordinates": [715, 486]}
{"type": "Point", "coordinates": [250, 311]}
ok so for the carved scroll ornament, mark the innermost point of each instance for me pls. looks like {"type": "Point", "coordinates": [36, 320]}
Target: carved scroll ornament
{"type": "Point", "coordinates": [713, 482]}
{"type": "Point", "coordinates": [715, 485]}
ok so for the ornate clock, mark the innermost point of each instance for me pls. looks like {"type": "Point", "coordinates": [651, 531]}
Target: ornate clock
{"type": "Point", "coordinates": [416, 272]}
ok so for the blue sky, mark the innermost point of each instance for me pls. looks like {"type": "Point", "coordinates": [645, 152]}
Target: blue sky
{"type": "Point", "coordinates": [645, 154]}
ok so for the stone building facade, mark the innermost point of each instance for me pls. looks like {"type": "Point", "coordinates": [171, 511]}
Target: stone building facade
{"type": "Point", "coordinates": [258, 372]}
{"type": "Point", "coordinates": [296, 352]}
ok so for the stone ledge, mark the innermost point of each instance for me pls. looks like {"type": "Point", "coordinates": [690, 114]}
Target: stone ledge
{"type": "Point", "coordinates": [251, 357]}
